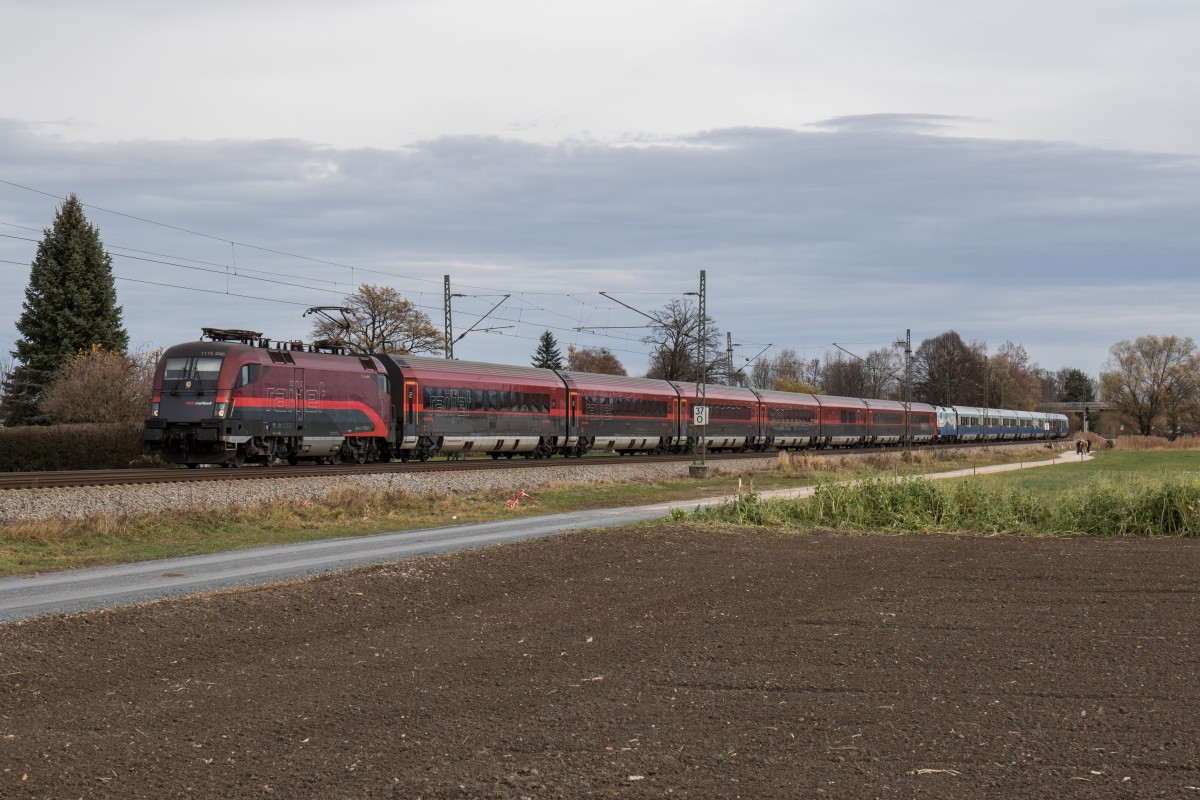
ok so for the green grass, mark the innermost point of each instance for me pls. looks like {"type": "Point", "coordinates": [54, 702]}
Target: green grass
{"type": "Point", "coordinates": [1114, 464]}
{"type": "Point", "coordinates": [1120, 494]}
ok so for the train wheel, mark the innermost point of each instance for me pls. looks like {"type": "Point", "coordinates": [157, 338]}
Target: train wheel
{"type": "Point", "coordinates": [239, 458]}
{"type": "Point", "coordinates": [192, 466]}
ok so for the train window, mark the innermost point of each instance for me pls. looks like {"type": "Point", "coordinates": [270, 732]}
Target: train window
{"type": "Point", "coordinates": [208, 368]}
{"type": "Point", "coordinates": [382, 382]}
{"type": "Point", "coordinates": [198, 369]}
{"type": "Point", "coordinates": [277, 357]}
{"type": "Point", "coordinates": [176, 369]}
{"type": "Point", "coordinates": [248, 374]}
{"type": "Point", "coordinates": [367, 364]}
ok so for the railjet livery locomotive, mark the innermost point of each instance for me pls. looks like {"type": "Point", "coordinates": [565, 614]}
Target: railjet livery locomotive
{"type": "Point", "coordinates": [236, 398]}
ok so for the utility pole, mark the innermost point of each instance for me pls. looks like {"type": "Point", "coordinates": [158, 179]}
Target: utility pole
{"type": "Point", "coordinates": [987, 381]}
{"type": "Point", "coordinates": [699, 469]}
{"type": "Point", "coordinates": [449, 322]}
{"type": "Point", "coordinates": [907, 390]}
{"type": "Point", "coordinates": [728, 358]}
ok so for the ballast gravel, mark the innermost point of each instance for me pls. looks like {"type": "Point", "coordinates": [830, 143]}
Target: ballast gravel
{"type": "Point", "coordinates": [117, 501]}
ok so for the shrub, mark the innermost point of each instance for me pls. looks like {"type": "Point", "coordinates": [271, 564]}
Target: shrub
{"type": "Point", "coordinates": [1143, 443]}
{"type": "Point", "coordinates": [35, 448]}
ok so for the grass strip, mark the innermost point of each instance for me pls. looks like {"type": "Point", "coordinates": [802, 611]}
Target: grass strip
{"type": "Point", "coordinates": [1103, 506]}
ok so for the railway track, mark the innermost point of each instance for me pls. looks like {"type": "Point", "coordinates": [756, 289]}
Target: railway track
{"type": "Point", "coordinates": [126, 477]}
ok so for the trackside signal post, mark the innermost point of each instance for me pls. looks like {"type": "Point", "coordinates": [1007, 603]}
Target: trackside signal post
{"type": "Point", "coordinates": [699, 469]}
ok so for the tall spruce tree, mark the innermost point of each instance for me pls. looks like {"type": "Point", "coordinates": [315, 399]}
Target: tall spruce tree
{"type": "Point", "coordinates": [70, 305]}
{"type": "Point", "coordinates": [547, 355]}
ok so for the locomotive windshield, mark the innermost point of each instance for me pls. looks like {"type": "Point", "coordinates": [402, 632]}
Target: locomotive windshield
{"type": "Point", "coordinates": [197, 373]}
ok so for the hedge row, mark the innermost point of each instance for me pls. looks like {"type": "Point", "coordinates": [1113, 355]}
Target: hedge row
{"type": "Point", "coordinates": [36, 448]}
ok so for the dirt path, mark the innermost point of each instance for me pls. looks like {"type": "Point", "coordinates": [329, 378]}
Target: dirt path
{"type": "Point", "coordinates": [660, 662]}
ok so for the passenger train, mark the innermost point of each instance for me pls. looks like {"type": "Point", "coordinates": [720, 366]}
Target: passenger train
{"type": "Point", "coordinates": [234, 398]}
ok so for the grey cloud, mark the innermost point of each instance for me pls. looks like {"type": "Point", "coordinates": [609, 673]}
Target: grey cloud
{"type": "Point", "coordinates": [809, 236]}
{"type": "Point", "coordinates": [892, 123]}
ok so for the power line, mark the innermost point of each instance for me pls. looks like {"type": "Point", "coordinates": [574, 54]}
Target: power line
{"type": "Point", "coordinates": [256, 274]}
{"type": "Point", "coordinates": [210, 291]}
{"type": "Point", "coordinates": [260, 248]}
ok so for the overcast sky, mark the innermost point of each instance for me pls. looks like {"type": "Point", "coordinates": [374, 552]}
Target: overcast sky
{"type": "Point", "coordinates": [1023, 171]}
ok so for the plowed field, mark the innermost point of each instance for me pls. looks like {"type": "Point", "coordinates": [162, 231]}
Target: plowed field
{"type": "Point", "coordinates": [653, 662]}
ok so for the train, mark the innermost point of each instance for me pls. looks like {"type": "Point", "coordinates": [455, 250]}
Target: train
{"type": "Point", "coordinates": [233, 398]}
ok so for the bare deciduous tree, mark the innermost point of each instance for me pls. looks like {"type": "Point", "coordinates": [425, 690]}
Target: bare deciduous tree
{"type": "Point", "coordinates": [948, 371]}
{"type": "Point", "coordinates": [1153, 381]}
{"type": "Point", "coordinates": [381, 320]}
{"type": "Point", "coordinates": [787, 372]}
{"type": "Point", "coordinates": [674, 344]}
{"type": "Point", "coordinates": [1011, 381]}
{"type": "Point", "coordinates": [593, 359]}
{"type": "Point", "coordinates": [875, 376]}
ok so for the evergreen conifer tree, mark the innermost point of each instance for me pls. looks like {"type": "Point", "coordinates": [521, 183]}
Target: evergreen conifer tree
{"type": "Point", "coordinates": [547, 355]}
{"type": "Point", "coordinates": [70, 305]}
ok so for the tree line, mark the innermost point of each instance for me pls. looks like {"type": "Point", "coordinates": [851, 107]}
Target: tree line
{"type": "Point", "coordinates": [72, 362]}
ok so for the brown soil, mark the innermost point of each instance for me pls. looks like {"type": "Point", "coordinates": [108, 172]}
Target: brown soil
{"type": "Point", "coordinates": [674, 661]}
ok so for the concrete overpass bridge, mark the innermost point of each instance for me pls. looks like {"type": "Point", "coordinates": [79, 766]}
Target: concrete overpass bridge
{"type": "Point", "coordinates": [1077, 408]}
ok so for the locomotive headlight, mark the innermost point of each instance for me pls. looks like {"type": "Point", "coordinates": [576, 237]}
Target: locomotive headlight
{"type": "Point", "coordinates": [154, 409]}
{"type": "Point", "coordinates": [221, 409]}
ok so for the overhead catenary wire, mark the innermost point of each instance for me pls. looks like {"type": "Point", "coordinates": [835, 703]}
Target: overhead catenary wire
{"type": "Point", "coordinates": [330, 286]}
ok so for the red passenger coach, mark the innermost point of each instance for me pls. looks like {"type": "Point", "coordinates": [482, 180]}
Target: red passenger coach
{"type": "Point", "coordinates": [789, 420]}
{"type": "Point", "coordinates": [922, 422]}
{"type": "Point", "coordinates": [843, 421]}
{"type": "Point", "coordinates": [886, 420]}
{"type": "Point", "coordinates": [472, 407]}
{"type": "Point", "coordinates": [626, 415]}
{"type": "Point", "coordinates": [732, 416]}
